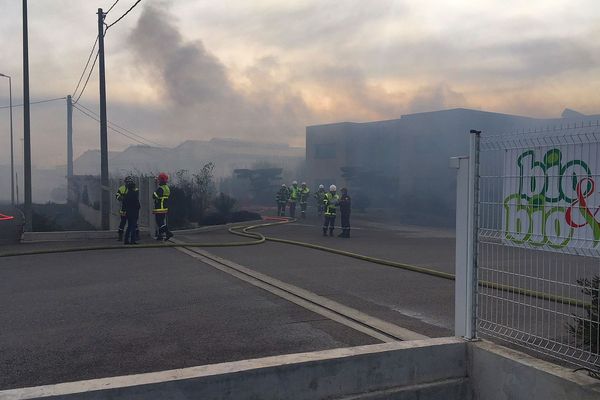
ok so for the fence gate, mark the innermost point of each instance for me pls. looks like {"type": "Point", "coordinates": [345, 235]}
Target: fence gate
{"type": "Point", "coordinates": [536, 250]}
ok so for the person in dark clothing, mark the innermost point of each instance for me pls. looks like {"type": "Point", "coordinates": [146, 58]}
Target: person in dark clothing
{"type": "Point", "coordinates": [121, 192]}
{"type": "Point", "coordinates": [131, 204]}
{"type": "Point", "coordinates": [345, 204]}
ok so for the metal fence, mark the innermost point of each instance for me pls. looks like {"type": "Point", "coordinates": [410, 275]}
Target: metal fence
{"type": "Point", "coordinates": [538, 241]}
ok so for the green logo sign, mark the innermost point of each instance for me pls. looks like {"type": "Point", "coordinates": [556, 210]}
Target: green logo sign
{"type": "Point", "coordinates": [547, 200]}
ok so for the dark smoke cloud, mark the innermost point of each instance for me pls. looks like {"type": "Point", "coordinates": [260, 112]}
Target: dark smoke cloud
{"type": "Point", "coordinates": [199, 93]}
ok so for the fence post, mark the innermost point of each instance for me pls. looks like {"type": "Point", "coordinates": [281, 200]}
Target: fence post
{"type": "Point", "coordinates": [463, 293]}
{"type": "Point", "coordinates": [473, 233]}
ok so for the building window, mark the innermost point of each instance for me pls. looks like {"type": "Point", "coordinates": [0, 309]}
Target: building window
{"type": "Point", "coordinates": [324, 151]}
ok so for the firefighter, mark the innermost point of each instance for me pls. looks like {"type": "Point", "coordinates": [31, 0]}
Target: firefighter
{"type": "Point", "coordinates": [282, 197]}
{"type": "Point", "coordinates": [161, 207]}
{"type": "Point", "coordinates": [330, 202]}
{"type": "Point", "coordinates": [294, 197]}
{"type": "Point", "coordinates": [131, 204]}
{"type": "Point", "coordinates": [345, 204]}
{"type": "Point", "coordinates": [121, 192]}
{"type": "Point", "coordinates": [320, 197]}
{"type": "Point", "coordinates": [304, 193]}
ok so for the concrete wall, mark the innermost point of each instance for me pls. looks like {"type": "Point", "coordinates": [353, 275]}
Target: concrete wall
{"type": "Point", "coordinates": [399, 370]}
{"type": "Point", "coordinates": [432, 369]}
{"type": "Point", "coordinates": [91, 184]}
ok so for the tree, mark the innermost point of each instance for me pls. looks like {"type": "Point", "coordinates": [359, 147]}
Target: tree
{"type": "Point", "coordinates": [191, 195]}
{"type": "Point", "coordinates": [262, 182]}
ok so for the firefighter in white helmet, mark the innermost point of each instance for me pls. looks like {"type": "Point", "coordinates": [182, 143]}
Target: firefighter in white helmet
{"type": "Point", "coordinates": [320, 197]}
{"type": "Point", "coordinates": [281, 198]}
{"type": "Point", "coordinates": [304, 193]}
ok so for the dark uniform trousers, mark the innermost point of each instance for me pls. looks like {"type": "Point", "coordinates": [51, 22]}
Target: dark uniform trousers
{"type": "Point", "coordinates": [329, 223]}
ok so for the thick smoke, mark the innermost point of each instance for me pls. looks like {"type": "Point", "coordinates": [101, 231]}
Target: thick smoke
{"type": "Point", "coordinates": [201, 99]}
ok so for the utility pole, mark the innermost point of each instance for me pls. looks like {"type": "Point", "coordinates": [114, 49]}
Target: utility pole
{"type": "Point", "coordinates": [69, 145]}
{"type": "Point", "coordinates": [12, 158]}
{"type": "Point", "coordinates": [105, 206]}
{"type": "Point", "coordinates": [17, 178]}
{"type": "Point", "coordinates": [26, 124]}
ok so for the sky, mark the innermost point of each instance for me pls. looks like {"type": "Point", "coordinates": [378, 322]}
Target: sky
{"type": "Point", "coordinates": [265, 69]}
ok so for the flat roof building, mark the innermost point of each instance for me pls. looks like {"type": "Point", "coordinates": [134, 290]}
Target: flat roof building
{"type": "Point", "coordinates": [402, 164]}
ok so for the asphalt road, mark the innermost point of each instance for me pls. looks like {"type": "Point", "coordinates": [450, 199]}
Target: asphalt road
{"type": "Point", "coordinates": [85, 315]}
{"type": "Point", "coordinates": [421, 303]}
{"type": "Point", "coordinates": [74, 316]}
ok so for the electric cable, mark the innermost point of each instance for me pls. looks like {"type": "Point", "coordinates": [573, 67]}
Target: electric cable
{"type": "Point", "coordinates": [110, 127]}
{"type": "Point", "coordinates": [126, 12]}
{"type": "Point", "coordinates": [111, 7]}
{"type": "Point", "coordinates": [86, 66]}
{"type": "Point", "coordinates": [34, 102]}
{"type": "Point", "coordinates": [88, 78]}
{"type": "Point", "coordinates": [122, 128]}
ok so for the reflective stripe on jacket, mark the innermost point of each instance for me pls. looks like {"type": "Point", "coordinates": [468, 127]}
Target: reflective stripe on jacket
{"type": "Point", "coordinates": [304, 195]}
{"type": "Point", "coordinates": [121, 192]}
{"type": "Point", "coordinates": [330, 202]}
{"type": "Point", "coordinates": [161, 197]}
{"type": "Point", "coordinates": [294, 194]}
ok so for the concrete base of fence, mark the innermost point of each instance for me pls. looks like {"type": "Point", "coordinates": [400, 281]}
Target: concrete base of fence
{"type": "Point", "coordinates": [442, 368]}
{"type": "Point", "coordinates": [498, 373]}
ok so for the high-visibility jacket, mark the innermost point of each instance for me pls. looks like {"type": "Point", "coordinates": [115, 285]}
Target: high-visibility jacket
{"type": "Point", "coordinates": [304, 192]}
{"type": "Point", "coordinates": [161, 199]}
{"type": "Point", "coordinates": [330, 202]}
{"type": "Point", "coordinates": [121, 192]}
{"type": "Point", "coordinates": [294, 194]}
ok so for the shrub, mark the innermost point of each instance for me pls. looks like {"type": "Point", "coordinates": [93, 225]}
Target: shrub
{"type": "Point", "coordinates": [585, 330]}
{"type": "Point", "coordinates": [214, 219]}
{"type": "Point", "coordinates": [224, 204]}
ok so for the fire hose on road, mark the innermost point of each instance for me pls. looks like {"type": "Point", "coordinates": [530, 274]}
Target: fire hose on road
{"type": "Point", "coordinates": [259, 238]}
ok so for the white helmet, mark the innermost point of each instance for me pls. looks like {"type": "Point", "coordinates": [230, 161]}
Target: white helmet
{"type": "Point", "coordinates": [295, 183]}
{"type": "Point", "coordinates": [332, 188]}
{"type": "Point", "coordinates": [321, 187]}
{"type": "Point", "coordinates": [283, 185]}
{"type": "Point", "coordinates": [303, 183]}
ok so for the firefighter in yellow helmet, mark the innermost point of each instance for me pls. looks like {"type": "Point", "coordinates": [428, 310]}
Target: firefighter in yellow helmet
{"type": "Point", "coordinates": [330, 202]}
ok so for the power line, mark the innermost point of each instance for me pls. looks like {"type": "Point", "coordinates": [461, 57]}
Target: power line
{"type": "Point", "coordinates": [86, 65]}
{"type": "Point", "coordinates": [126, 12]}
{"type": "Point", "coordinates": [115, 130]}
{"type": "Point", "coordinates": [122, 128]}
{"type": "Point", "coordinates": [34, 102]}
{"type": "Point", "coordinates": [110, 127]}
{"type": "Point", "coordinates": [87, 79]}
{"type": "Point", "coordinates": [111, 7]}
